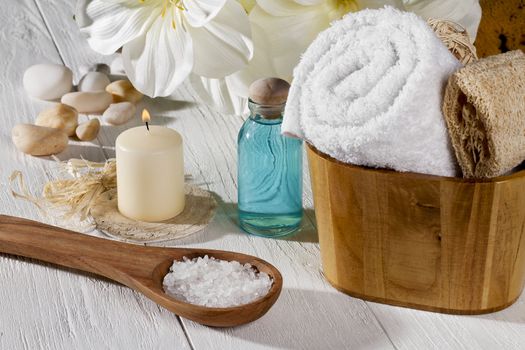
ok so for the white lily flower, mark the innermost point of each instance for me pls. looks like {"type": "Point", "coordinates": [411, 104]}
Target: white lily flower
{"type": "Point", "coordinates": [220, 94]}
{"type": "Point", "coordinates": [293, 24]}
{"type": "Point", "coordinates": [283, 29]}
{"type": "Point", "coordinates": [248, 4]}
{"type": "Point", "coordinates": [273, 57]}
{"type": "Point", "coordinates": [163, 41]}
{"type": "Point", "coordinates": [229, 95]}
{"type": "Point", "coordinates": [290, 26]}
{"type": "Point", "coordinates": [467, 13]}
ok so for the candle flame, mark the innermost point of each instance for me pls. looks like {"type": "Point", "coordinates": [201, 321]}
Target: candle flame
{"type": "Point", "coordinates": [146, 118]}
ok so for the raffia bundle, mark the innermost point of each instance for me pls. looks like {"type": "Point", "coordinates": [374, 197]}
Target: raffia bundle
{"type": "Point", "coordinates": [73, 197]}
{"type": "Point", "coordinates": [87, 199]}
{"type": "Point", "coordinates": [456, 38]}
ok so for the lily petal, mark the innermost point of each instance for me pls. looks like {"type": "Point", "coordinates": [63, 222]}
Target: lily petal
{"type": "Point", "coordinates": [159, 61]}
{"type": "Point", "coordinates": [248, 4]}
{"type": "Point", "coordinates": [117, 23]}
{"type": "Point", "coordinates": [309, 2]}
{"type": "Point", "coordinates": [230, 94]}
{"type": "Point", "coordinates": [223, 45]}
{"type": "Point", "coordinates": [375, 4]}
{"type": "Point", "coordinates": [200, 12]}
{"type": "Point", "coordinates": [81, 16]}
{"type": "Point", "coordinates": [466, 12]}
{"type": "Point", "coordinates": [260, 66]}
{"type": "Point", "coordinates": [218, 94]}
{"type": "Point", "coordinates": [282, 7]}
{"type": "Point", "coordinates": [288, 37]}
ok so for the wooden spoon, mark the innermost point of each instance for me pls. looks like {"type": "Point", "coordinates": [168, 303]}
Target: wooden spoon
{"type": "Point", "coordinates": [138, 267]}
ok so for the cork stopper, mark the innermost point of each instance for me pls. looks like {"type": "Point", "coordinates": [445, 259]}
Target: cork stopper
{"type": "Point", "coordinates": [269, 91]}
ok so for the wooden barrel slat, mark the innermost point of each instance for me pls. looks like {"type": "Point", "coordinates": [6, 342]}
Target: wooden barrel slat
{"type": "Point", "coordinates": [421, 241]}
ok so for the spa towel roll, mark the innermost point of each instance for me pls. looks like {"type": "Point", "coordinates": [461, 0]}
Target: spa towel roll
{"type": "Point", "coordinates": [485, 112]}
{"type": "Point", "coordinates": [369, 90]}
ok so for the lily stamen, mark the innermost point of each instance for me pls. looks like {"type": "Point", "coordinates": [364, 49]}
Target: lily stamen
{"type": "Point", "coordinates": [172, 4]}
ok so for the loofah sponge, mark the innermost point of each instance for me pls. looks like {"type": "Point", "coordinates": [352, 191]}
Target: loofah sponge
{"type": "Point", "coordinates": [484, 108]}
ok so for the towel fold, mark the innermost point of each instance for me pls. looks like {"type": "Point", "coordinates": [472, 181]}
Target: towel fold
{"type": "Point", "coordinates": [369, 91]}
{"type": "Point", "coordinates": [485, 111]}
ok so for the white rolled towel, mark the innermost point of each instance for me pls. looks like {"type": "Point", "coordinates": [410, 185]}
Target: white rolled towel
{"type": "Point", "coordinates": [369, 90]}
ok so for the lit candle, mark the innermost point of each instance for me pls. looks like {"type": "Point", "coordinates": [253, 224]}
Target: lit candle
{"type": "Point", "coordinates": [150, 172]}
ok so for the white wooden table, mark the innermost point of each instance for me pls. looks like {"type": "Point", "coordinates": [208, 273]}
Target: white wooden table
{"type": "Point", "coordinates": [45, 307]}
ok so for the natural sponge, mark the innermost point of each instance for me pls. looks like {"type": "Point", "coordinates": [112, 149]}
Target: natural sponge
{"type": "Point", "coordinates": [502, 27]}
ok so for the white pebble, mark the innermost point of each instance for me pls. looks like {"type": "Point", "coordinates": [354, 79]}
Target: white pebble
{"type": "Point", "coordinates": [215, 283]}
{"type": "Point", "coordinates": [119, 113]}
{"type": "Point", "coordinates": [88, 131]}
{"type": "Point", "coordinates": [60, 116]}
{"type": "Point", "coordinates": [93, 81]}
{"type": "Point", "coordinates": [102, 68]}
{"type": "Point", "coordinates": [39, 140]}
{"type": "Point", "coordinates": [88, 102]}
{"type": "Point", "coordinates": [48, 81]}
{"type": "Point", "coordinates": [123, 90]}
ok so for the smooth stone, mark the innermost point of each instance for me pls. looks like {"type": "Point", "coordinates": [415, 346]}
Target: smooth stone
{"type": "Point", "coordinates": [61, 117]}
{"type": "Point", "coordinates": [93, 82]}
{"type": "Point", "coordinates": [119, 113]}
{"type": "Point", "coordinates": [48, 81]}
{"type": "Point", "coordinates": [103, 68]}
{"type": "Point", "coordinates": [39, 140]}
{"type": "Point", "coordinates": [88, 102]}
{"type": "Point", "coordinates": [89, 130]}
{"type": "Point", "coordinates": [123, 90]}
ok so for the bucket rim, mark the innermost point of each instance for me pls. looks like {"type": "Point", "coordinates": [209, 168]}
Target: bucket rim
{"type": "Point", "coordinates": [520, 174]}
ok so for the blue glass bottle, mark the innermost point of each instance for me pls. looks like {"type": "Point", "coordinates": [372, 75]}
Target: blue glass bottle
{"type": "Point", "coordinates": [269, 174]}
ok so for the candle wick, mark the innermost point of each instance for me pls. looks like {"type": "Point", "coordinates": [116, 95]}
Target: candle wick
{"type": "Point", "coordinates": [147, 126]}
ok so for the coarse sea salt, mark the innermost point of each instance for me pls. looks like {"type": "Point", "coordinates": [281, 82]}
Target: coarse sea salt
{"type": "Point", "coordinates": [213, 282]}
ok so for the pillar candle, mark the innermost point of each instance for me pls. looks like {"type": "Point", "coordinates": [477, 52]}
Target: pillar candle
{"type": "Point", "coordinates": [150, 173]}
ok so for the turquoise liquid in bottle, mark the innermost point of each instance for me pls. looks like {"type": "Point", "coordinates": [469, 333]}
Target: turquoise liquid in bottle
{"type": "Point", "coordinates": [269, 175]}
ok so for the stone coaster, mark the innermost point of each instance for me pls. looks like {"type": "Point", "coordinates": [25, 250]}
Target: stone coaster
{"type": "Point", "coordinates": [198, 212]}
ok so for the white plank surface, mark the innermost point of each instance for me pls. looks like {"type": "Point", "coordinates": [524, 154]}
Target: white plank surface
{"type": "Point", "coordinates": [45, 307]}
{"type": "Point", "coordinates": [210, 157]}
{"type": "Point", "coordinates": [42, 307]}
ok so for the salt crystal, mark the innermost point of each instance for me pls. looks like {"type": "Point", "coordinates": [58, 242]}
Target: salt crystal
{"type": "Point", "coordinates": [215, 283]}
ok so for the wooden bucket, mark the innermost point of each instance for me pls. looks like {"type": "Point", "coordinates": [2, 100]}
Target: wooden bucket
{"type": "Point", "coordinates": [426, 242]}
